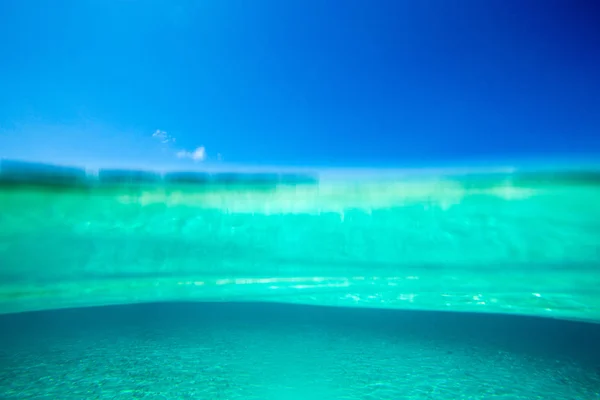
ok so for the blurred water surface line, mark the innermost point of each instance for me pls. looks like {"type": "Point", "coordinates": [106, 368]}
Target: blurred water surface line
{"type": "Point", "coordinates": [496, 240]}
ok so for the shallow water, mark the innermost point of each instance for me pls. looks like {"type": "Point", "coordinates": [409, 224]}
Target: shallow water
{"type": "Point", "coordinates": [293, 286]}
{"type": "Point", "coordinates": [281, 351]}
{"type": "Point", "coordinates": [505, 242]}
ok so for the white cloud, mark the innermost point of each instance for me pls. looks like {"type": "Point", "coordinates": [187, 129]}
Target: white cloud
{"type": "Point", "coordinates": [163, 137]}
{"type": "Point", "coordinates": [197, 155]}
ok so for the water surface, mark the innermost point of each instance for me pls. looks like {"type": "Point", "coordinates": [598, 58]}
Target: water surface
{"type": "Point", "coordinates": [515, 242]}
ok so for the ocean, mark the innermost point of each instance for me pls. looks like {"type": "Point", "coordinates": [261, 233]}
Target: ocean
{"type": "Point", "coordinates": [468, 284]}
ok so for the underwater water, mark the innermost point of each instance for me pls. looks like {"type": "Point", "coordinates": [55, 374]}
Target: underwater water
{"type": "Point", "coordinates": [431, 285]}
{"type": "Point", "coordinates": [274, 351]}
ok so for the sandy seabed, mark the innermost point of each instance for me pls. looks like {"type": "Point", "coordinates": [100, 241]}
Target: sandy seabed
{"type": "Point", "coordinates": [274, 351]}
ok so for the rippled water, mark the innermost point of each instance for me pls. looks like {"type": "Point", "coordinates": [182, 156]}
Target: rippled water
{"type": "Point", "coordinates": [280, 351]}
{"type": "Point", "coordinates": [493, 243]}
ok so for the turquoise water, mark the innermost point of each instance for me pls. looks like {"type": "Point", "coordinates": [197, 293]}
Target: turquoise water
{"type": "Point", "coordinates": [385, 284]}
{"type": "Point", "coordinates": [280, 351]}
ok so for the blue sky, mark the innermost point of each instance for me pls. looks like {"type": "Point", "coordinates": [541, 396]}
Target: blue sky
{"type": "Point", "coordinates": [310, 82]}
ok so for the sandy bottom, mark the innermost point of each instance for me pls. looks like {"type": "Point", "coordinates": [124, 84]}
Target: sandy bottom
{"type": "Point", "coordinates": [258, 351]}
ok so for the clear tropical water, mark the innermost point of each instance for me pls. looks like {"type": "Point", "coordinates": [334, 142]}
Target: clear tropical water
{"type": "Point", "coordinates": [481, 275]}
